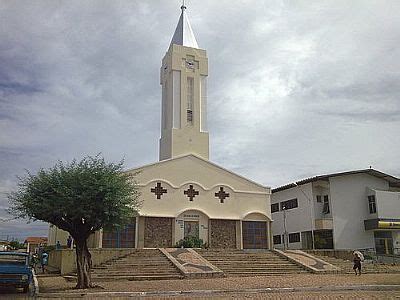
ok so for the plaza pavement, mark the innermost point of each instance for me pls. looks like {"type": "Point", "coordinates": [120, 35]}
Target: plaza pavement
{"type": "Point", "coordinates": [298, 286]}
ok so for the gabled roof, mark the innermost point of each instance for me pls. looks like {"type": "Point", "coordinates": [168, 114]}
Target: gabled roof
{"type": "Point", "coordinates": [183, 33]}
{"type": "Point", "coordinates": [35, 240]}
{"type": "Point", "coordinates": [201, 159]}
{"type": "Point", "coordinates": [393, 181]}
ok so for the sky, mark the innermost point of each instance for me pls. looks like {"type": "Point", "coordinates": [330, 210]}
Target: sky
{"type": "Point", "coordinates": [295, 88]}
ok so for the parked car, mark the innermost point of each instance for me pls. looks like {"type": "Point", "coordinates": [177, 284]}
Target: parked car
{"type": "Point", "coordinates": [15, 270]}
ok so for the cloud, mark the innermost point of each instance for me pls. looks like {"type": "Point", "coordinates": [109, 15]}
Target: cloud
{"type": "Point", "coordinates": [296, 89]}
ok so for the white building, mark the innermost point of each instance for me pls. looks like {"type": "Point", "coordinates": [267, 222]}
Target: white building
{"type": "Point", "coordinates": [350, 210]}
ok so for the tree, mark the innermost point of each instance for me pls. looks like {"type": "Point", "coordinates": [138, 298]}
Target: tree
{"type": "Point", "coordinates": [78, 197]}
{"type": "Point", "coordinates": [15, 245]}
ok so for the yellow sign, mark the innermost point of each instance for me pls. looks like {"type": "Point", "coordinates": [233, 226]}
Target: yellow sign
{"type": "Point", "coordinates": [389, 225]}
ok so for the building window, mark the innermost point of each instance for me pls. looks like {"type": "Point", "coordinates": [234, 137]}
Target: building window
{"type": "Point", "coordinates": [294, 237]}
{"type": "Point", "coordinates": [277, 239]}
{"type": "Point", "coordinates": [325, 209]}
{"type": "Point", "coordinates": [289, 204]}
{"type": "Point", "coordinates": [274, 207]}
{"type": "Point", "coordinates": [190, 100]}
{"type": "Point", "coordinates": [372, 204]}
{"type": "Point", "coordinates": [319, 198]}
{"type": "Point", "coordinates": [164, 105]}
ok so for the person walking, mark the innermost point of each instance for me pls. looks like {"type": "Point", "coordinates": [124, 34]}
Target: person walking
{"type": "Point", "coordinates": [69, 242]}
{"type": "Point", "coordinates": [357, 263]}
{"type": "Point", "coordinates": [44, 260]}
{"type": "Point", "coordinates": [35, 262]}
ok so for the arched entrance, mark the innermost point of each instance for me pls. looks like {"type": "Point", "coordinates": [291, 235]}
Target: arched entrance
{"type": "Point", "coordinates": [191, 223]}
{"type": "Point", "coordinates": [255, 231]}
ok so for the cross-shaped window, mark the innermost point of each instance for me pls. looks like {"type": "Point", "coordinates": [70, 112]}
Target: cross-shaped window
{"type": "Point", "coordinates": [221, 194]}
{"type": "Point", "coordinates": [158, 190]}
{"type": "Point", "coordinates": [191, 192]}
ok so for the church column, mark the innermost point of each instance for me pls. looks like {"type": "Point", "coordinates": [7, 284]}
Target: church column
{"type": "Point", "coordinates": [269, 235]}
{"type": "Point", "coordinates": [140, 236]}
{"type": "Point", "coordinates": [239, 235]}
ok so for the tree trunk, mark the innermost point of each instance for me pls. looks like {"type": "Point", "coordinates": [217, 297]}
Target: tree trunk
{"type": "Point", "coordinates": [83, 265]}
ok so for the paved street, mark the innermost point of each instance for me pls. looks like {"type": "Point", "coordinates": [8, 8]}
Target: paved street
{"type": "Point", "coordinates": [305, 295]}
{"type": "Point", "coordinates": [320, 286]}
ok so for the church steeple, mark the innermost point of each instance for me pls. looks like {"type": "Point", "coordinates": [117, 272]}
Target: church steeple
{"type": "Point", "coordinates": [183, 33]}
{"type": "Point", "coordinates": [183, 77]}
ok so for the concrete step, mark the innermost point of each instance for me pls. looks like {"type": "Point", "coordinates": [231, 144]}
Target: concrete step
{"type": "Point", "coordinates": [245, 263]}
{"type": "Point", "coordinates": [142, 265]}
{"type": "Point", "coordinates": [127, 271]}
{"type": "Point", "coordinates": [134, 274]}
{"type": "Point", "coordinates": [137, 277]}
{"type": "Point", "coordinates": [272, 262]}
{"type": "Point", "coordinates": [138, 265]}
{"type": "Point", "coordinates": [283, 264]}
{"type": "Point", "coordinates": [259, 274]}
{"type": "Point", "coordinates": [169, 267]}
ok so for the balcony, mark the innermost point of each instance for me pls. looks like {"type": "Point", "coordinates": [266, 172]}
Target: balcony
{"type": "Point", "coordinates": [387, 204]}
{"type": "Point", "coordinates": [321, 224]}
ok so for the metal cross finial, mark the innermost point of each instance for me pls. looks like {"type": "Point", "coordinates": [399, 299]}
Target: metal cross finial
{"type": "Point", "coordinates": [183, 7]}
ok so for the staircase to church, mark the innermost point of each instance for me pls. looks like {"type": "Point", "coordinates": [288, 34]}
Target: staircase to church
{"type": "Point", "coordinates": [367, 267]}
{"type": "Point", "coordinates": [250, 263]}
{"type": "Point", "coordinates": [142, 264]}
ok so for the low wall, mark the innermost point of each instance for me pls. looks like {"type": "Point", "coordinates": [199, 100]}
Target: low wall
{"type": "Point", "coordinates": [343, 254]}
{"type": "Point", "coordinates": [64, 260]}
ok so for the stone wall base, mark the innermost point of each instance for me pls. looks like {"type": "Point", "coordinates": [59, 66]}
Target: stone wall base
{"type": "Point", "coordinates": [157, 232]}
{"type": "Point", "coordinates": [223, 233]}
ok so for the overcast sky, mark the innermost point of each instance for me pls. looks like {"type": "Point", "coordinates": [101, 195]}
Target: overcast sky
{"type": "Point", "coordinates": [296, 88]}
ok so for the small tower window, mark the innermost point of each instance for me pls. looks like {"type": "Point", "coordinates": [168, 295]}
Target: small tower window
{"type": "Point", "coordinates": [190, 99]}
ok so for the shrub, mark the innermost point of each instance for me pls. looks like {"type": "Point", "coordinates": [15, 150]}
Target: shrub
{"type": "Point", "coordinates": [190, 242]}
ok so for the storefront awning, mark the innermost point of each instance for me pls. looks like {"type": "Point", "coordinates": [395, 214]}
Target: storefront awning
{"type": "Point", "coordinates": [382, 224]}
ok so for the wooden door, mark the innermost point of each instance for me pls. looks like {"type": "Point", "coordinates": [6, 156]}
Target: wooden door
{"type": "Point", "coordinates": [254, 235]}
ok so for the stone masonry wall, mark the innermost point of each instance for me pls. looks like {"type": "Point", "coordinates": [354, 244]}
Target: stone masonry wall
{"type": "Point", "coordinates": [157, 232]}
{"type": "Point", "coordinates": [223, 234]}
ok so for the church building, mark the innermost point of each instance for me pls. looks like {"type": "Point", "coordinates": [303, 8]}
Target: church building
{"type": "Point", "coordinates": [184, 194]}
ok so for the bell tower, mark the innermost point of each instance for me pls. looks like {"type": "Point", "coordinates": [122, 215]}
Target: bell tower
{"type": "Point", "coordinates": [183, 78]}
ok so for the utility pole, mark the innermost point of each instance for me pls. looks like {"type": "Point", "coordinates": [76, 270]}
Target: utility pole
{"type": "Point", "coordinates": [285, 239]}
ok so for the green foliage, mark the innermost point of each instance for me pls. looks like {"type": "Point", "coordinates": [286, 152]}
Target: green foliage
{"type": "Point", "coordinates": [190, 242]}
{"type": "Point", "coordinates": [15, 245]}
{"type": "Point", "coordinates": [78, 197]}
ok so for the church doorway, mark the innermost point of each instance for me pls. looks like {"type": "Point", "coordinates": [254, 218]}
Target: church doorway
{"type": "Point", "coordinates": [191, 223]}
{"type": "Point", "coordinates": [254, 235]}
{"type": "Point", "coordinates": [119, 238]}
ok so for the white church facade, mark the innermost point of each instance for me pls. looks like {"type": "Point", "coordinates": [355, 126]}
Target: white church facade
{"type": "Point", "coordinates": [184, 194]}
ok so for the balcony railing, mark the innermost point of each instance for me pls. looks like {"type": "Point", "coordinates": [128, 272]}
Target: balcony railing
{"type": "Point", "coordinates": [325, 223]}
